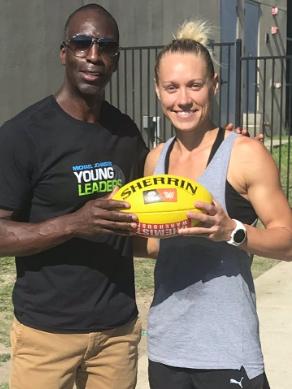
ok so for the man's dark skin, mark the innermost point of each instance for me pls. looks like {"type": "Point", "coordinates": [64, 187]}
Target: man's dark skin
{"type": "Point", "coordinates": [81, 96]}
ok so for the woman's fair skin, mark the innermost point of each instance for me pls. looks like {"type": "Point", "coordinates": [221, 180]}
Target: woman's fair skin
{"type": "Point", "coordinates": [185, 90]}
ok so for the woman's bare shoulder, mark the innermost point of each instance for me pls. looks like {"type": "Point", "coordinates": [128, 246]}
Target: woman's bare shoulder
{"type": "Point", "coordinates": [152, 159]}
{"type": "Point", "coordinates": [251, 158]}
{"type": "Point", "coordinates": [245, 147]}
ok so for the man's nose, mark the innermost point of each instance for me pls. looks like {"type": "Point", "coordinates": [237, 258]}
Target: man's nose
{"type": "Point", "coordinates": [94, 53]}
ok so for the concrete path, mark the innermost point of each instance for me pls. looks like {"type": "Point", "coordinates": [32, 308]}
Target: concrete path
{"type": "Point", "coordinates": [274, 304]}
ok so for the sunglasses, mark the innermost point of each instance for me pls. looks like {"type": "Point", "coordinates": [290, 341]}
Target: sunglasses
{"type": "Point", "coordinates": [81, 44]}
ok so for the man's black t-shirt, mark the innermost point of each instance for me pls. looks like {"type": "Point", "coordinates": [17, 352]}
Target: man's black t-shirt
{"type": "Point", "coordinates": [50, 165]}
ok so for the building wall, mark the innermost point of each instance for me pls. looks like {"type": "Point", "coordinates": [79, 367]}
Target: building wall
{"type": "Point", "coordinates": [271, 95]}
{"type": "Point", "coordinates": [30, 38]}
{"type": "Point", "coordinates": [153, 22]}
{"type": "Point", "coordinates": [31, 35]}
{"type": "Point", "coordinates": [273, 44]}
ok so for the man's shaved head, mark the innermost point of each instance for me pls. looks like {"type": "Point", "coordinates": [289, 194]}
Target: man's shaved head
{"type": "Point", "coordinates": [99, 11]}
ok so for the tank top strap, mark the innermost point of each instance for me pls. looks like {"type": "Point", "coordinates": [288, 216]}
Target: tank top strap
{"type": "Point", "coordinates": [160, 166]}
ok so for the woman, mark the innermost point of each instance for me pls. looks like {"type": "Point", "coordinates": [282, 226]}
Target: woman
{"type": "Point", "coordinates": [203, 326]}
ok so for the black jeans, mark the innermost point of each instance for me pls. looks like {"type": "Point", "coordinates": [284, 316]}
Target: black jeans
{"type": "Point", "coordinates": [168, 377]}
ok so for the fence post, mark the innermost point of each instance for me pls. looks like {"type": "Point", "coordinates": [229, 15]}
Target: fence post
{"type": "Point", "coordinates": [238, 52]}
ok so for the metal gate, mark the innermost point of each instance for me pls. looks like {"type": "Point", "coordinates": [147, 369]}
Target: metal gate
{"type": "Point", "coordinates": [255, 92]}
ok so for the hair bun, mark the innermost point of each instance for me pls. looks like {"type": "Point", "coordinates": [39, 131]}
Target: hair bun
{"type": "Point", "coordinates": [197, 30]}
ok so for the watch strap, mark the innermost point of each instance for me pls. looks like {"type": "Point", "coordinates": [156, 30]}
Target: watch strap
{"type": "Point", "coordinates": [238, 235]}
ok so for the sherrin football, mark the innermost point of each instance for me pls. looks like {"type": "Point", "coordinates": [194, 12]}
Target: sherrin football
{"type": "Point", "coordinates": [162, 202]}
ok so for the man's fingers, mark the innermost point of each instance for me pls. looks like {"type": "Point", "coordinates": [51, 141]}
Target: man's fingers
{"type": "Point", "coordinates": [260, 137]}
{"type": "Point", "coordinates": [108, 203]}
{"type": "Point", "coordinates": [229, 127]}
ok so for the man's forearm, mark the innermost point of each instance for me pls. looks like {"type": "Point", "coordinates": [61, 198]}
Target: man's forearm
{"type": "Point", "coordinates": [21, 239]}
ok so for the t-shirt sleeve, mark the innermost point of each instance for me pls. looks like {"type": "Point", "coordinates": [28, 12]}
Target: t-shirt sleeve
{"type": "Point", "coordinates": [16, 167]}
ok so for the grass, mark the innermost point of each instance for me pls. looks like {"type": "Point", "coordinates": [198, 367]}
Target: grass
{"type": "Point", "coordinates": [144, 275]}
{"type": "Point", "coordinates": [7, 276]}
{"type": "Point", "coordinates": [4, 358]}
{"type": "Point", "coordinates": [144, 272]}
{"type": "Point", "coordinates": [261, 265]}
{"type": "Point", "coordinates": [144, 285]}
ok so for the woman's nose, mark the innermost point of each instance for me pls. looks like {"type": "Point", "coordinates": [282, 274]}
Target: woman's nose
{"type": "Point", "coordinates": [184, 98]}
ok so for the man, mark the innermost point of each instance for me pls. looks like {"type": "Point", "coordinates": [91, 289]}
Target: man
{"type": "Point", "coordinates": [75, 312]}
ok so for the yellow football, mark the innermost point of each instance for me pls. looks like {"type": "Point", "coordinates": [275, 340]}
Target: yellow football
{"type": "Point", "coordinates": [162, 202]}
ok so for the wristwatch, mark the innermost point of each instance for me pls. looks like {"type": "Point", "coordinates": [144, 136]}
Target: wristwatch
{"type": "Point", "coordinates": [238, 235]}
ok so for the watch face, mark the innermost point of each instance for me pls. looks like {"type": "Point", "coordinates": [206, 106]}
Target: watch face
{"type": "Point", "coordinates": [239, 236]}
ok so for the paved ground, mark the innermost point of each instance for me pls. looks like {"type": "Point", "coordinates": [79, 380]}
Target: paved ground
{"type": "Point", "coordinates": [274, 303]}
{"type": "Point", "coordinates": [274, 290]}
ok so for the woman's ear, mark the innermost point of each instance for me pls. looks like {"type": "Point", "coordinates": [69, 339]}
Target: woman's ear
{"type": "Point", "coordinates": [215, 83]}
{"type": "Point", "coordinates": [157, 90]}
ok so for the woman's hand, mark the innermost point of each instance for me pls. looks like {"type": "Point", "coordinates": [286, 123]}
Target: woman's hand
{"type": "Point", "coordinates": [212, 223]}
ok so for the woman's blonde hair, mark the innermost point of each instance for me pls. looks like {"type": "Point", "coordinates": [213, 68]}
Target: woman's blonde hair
{"type": "Point", "coordinates": [196, 30]}
{"type": "Point", "coordinates": [191, 37]}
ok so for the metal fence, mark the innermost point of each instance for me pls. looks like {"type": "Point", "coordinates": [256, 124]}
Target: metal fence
{"type": "Point", "coordinates": [132, 89]}
{"type": "Point", "coordinates": [254, 92]}
{"type": "Point", "coordinates": [266, 106]}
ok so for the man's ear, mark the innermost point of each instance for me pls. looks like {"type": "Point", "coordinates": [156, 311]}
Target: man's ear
{"type": "Point", "coordinates": [62, 54]}
{"type": "Point", "coordinates": [116, 62]}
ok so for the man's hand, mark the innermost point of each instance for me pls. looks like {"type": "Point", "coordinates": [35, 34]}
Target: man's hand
{"type": "Point", "coordinates": [243, 131]}
{"type": "Point", "coordinates": [96, 217]}
{"type": "Point", "coordinates": [103, 216]}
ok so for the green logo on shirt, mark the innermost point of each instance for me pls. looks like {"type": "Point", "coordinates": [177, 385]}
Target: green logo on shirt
{"type": "Point", "coordinates": [100, 177]}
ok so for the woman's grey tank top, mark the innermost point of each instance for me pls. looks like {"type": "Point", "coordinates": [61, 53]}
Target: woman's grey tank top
{"type": "Point", "coordinates": [203, 314]}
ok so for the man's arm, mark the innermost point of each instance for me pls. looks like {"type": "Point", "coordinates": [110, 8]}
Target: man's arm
{"type": "Point", "coordinates": [145, 247]}
{"type": "Point", "coordinates": [95, 217]}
